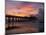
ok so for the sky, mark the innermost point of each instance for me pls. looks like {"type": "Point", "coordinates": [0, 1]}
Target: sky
{"type": "Point", "coordinates": [21, 8]}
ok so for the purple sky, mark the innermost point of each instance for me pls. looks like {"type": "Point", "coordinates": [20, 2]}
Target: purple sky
{"type": "Point", "coordinates": [11, 5]}
{"type": "Point", "coordinates": [19, 3]}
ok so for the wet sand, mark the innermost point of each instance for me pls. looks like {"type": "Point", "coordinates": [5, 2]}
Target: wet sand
{"type": "Point", "coordinates": [22, 28]}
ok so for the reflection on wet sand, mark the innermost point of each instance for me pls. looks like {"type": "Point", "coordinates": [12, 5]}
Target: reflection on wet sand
{"type": "Point", "coordinates": [21, 28]}
{"type": "Point", "coordinates": [26, 28]}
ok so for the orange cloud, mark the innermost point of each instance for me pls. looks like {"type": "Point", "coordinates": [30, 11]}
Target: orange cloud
{"type": "Point", "coordinates": [22, 11]}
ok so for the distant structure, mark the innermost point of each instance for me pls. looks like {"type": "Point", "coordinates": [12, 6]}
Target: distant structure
{"type": "Point", "coordinates": [10, 18]}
